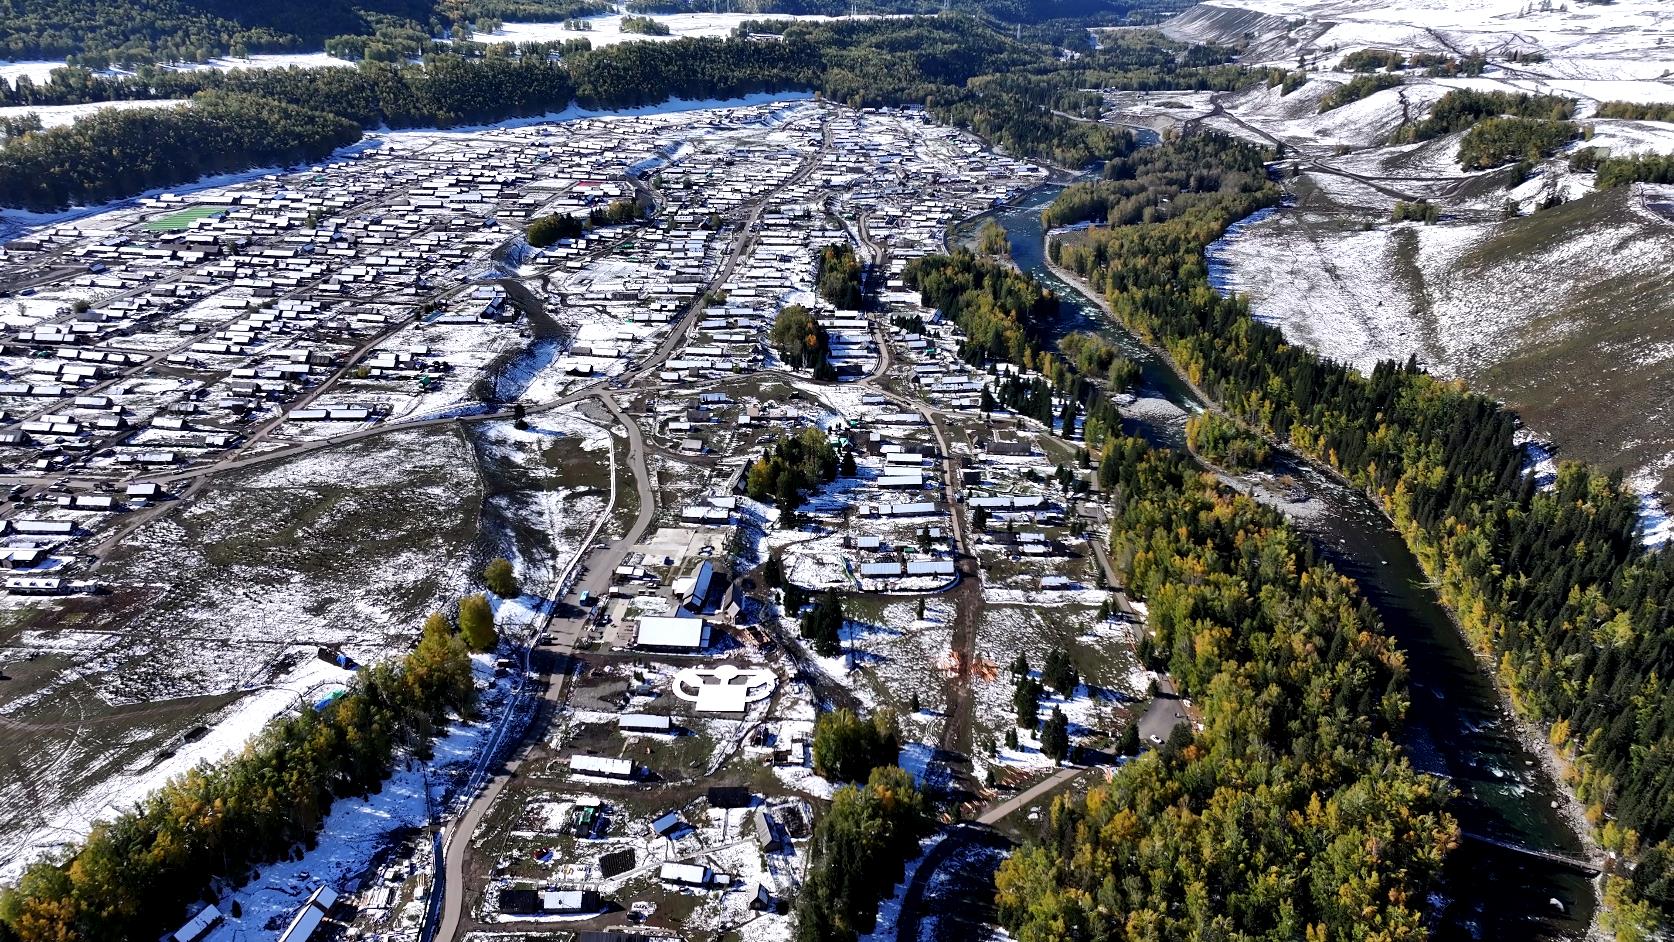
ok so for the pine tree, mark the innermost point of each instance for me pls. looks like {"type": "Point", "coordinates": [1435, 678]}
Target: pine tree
{"type": "Point", "coordinates": [1026, 700]}
{"type": "Point", "coordinates": [823, 624]}
{"type": "Point", "coordinates": [1129, 743]}
{"type": "Point", "coordinates": [1054, 737]}
{"type": "Point", "coordinates": [1060, 673]}
{"type": "Point", "coordinates": [501, 580]}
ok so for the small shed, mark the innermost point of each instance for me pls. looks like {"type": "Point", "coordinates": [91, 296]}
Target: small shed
{"type": "Point", "coordinates": [767, 832]}
{"type": "Point", "coordinates": [669, 825]}
{"type": "Point", "coordinates": [198, 925]}
{"type": "Point", "coordinates": [764, 900]}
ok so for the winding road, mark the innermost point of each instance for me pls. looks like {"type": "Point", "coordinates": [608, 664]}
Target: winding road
{"type": "Point", "coordinates": [566, 631]}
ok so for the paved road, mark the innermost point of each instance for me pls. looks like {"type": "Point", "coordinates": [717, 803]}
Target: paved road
{"type": "Point", "coordinates": [997, 813]}
{"type": "Point", "coordinates": [566, 633]}
{"type": "Point", "coordinates": [959, 837]}
{"type": "Point", "coordinates": [1165, 712]}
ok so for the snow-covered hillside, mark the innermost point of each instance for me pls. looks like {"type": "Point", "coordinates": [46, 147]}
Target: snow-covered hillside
{"type": "Point", "coordinates": [1589, 40]}
{"type": "Point", "coordinates": [1564, 312]}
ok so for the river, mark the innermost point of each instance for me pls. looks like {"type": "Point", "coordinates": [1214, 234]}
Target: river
{"type": "Point", "coordinates": [1458, 726]}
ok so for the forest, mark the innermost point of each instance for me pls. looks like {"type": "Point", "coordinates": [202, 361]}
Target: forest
{"type": "Point", "coordinates": [1153, 184]}
{"type": "Point", "coordinates": [860, 849]}
{"type": "Point", "coordinates": [1553, 584]}
{"type": "Point", "coordinates": [1278, 803]}
{"type": "Point", "coordinates": [790, 469]}
{"type": "Point", "coordinates": [1292, 814]}
{"type": "Point", "coordinates": [801, 341]}
{"type": "Point", "coordinates": [545, 231]}
{"type": "Point", "coordinates": [138, 32]}
{"type": "Point", "coordinates": [1225, 443]}
{"type": "Point", "coordinates": [135, 875]}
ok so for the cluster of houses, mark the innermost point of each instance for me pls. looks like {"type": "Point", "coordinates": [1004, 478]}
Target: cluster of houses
{"type": "Point", "coordinates": [148, 342]}
{"type": "Point", "coordinates": [608, 853]}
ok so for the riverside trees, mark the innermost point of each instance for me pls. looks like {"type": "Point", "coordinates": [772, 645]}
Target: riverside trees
{"type": "Point", "coordinates": [1278, 801]}
{"type": "Point", "coordinates": [1553, 584]}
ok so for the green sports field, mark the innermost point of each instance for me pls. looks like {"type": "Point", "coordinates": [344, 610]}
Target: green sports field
{"type": "Point", "coordinates": [184, 218]}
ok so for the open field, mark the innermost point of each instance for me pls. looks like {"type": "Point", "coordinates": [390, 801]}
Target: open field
{"type": "Point", "coordinates": [183, 219]}
{"type": "Point", "coordinates": [213, 617]}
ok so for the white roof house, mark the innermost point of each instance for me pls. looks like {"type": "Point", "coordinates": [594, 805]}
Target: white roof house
{"type": "Point", "coordinates": [674, 633]}
{"type": "Point", "coordinates": [686, 874]}
{"type": "Point", "coordinates": [644, 723]}
{"type": "Point", "coordinates": [601, 765]}
{"type": "Point", "coordinates": [309, 917]}
{"type": "Point", "coordinates": [901, 480]}
{"type": "Point", "coordinates": [930, 567]}
{"type": "Point", "coordinates": [206, 918]}
{"type": "Point", "coordinates": [565, 901]}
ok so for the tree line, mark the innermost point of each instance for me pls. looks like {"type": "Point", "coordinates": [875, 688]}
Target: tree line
{"type": "Point", "coordinates": [962, 70]}
{"type": "Point", "coordinates": [1493, 142]}
{"type": "Point", "coordinates": [1371, 60]}
{"type": "Point", "coordinates": [134, 876]}
{"type": "Point", "coordinates": [1639, 168]}
{"type": "Point", "coordinates": [1636, 111]}
{"type": "Point", "coordinates": [119, 152]}
{"type": "Point", "coordinates": [128, 33]}
{"type": "Point", "coordinates": [1361, 86]}
{"type": "Point", "coordinates": [998, 308]}
{"type": "Point", "coordinates": [1555, 585]}
{"type": "Point", "coordinates": [1462, 108]}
